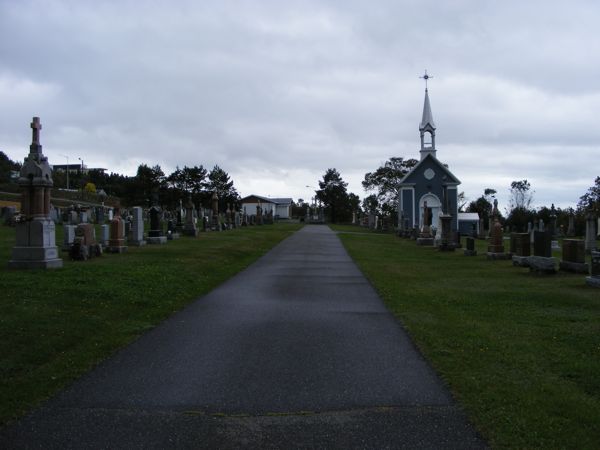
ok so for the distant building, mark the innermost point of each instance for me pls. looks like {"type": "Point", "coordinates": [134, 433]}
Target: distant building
{"type": "Point", "coordinates": [469, 223]}
{"type": "Point", "coordinates": [429, 182]}
{"type": "Point", "coordinates": [280, 208]}
{"type": "Point", "coordinates": [75, 168]}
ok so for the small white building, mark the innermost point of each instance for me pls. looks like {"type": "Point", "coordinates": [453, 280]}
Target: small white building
{"type": "Point", "coordinates": [466, 222]}
{"type": "Point", "coordinates": [279, 208]}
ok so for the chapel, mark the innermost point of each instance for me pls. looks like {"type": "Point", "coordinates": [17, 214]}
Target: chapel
{"type": "Point", "coordinates": [429, 183]}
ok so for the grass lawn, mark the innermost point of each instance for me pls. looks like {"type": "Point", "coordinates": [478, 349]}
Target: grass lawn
{"type": "Point", "coordinates": [520, 352]}
{"type": "Point", "coordinates": [57, 324]}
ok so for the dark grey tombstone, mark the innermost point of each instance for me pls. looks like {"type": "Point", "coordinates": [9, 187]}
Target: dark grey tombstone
{"type": "Point", "coordinates": [542, 244]}
{"type": "Point", "coordinates": [470, 250]}
{"type": "Point", "coordinates": [573, 256]}
{"type": "Point", "coordinates": [155, 223]}
{"type": "Point", "coordinates": [594, 278]}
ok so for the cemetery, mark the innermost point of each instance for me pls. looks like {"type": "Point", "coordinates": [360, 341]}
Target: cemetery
{"type": "Point", "coordinates": [526, 295]}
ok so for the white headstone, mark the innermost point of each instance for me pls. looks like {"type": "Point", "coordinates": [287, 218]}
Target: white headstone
{"type": "Point", "coordinates": [104, 234]}
{"type": "Point", "coordinates": [137, 227]}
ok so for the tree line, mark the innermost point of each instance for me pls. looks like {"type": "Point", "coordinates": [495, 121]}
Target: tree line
{"type": "Point", "coordinates": [194, 182]}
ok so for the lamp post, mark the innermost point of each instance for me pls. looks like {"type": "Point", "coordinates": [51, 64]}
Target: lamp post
{"type": "Point", "coordinates": [67, 170]}
{"type": "Point", "coordinates": [81, 164]}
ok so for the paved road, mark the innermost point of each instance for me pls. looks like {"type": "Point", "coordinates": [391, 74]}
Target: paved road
{"type": "Point", "coordinates": [297, 351]}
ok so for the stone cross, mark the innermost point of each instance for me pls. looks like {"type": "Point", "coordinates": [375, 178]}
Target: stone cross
{"type": "Point", "coordinates": [36, 127]}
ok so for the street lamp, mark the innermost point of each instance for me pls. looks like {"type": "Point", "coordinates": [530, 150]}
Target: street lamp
{"type": "Point", "coordinates": [67, 170]}
{"type": "Point", "coordinates": [81, 164]}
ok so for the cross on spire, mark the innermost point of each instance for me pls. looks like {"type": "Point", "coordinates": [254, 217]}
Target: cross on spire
{"type": "Point", "coordinates": [36, 126]}
{"type": "Point", "coordinates": [426, 77]}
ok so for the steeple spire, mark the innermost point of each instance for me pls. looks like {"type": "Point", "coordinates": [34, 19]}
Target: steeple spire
{"type": "Point", "coordinates": [427, 126]}
{"type": "Point", "coordinates": [427, 116]}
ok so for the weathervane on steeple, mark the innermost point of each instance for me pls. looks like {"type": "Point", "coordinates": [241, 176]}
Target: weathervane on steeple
{"type": "Point", "coordinates": [426, 77]}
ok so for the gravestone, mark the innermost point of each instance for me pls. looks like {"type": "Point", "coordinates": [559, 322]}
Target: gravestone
{"type": "Point", "coordinates": [571, 227]}
{"type": "Point", "coordinates": [116, 241]}
{"type": "Point", "coordinates": [83, 217]}
{"type": "Point", "coordinates": [100, 215]}
{"type": "Point", "coordinates": [216, 226]}
{"type": "Point", "coordinates": [447, 242]}
{"type": "Point", "coordinates": [136, 237]}
{"type": "Point", "coordinates": [9, 215]}
{"type": "Point", "coordinates": [542, 261]}
{"type": "Point", "coordinates": [425, 236]}
{"type": "Point", "coordinates": [573, 256]}
{"type": "Point", "coordinates": [521, 249]}
{"type": "Point", "coordinates": [172, 230]}
{"type": "Point", "coordinates": [111, 215]}
{"type": "Point", "coordinates": [495, 248]}
{"type": "Point", "coordinates": [104, 234]}
{"type": "Point", "coordinates": [590, 234]}
{"type": "Point", "coordinates": [73, 218]}
{"type": "Point", "coordinates": [156, 235]}
{"type": "Point", "coordinates": [594, 278]}
{"type": "Point", "coordinates": [84, 245]}
{"type": "Point", "coordinates": [35, 246]}
{"type": "Point", "coordinates": [470, 250]}
{"type": "Point", "coordinates": [68, 237]}
{"type": "Point", "coordinates": [552, 224]}
{"type": "Point", "coordinates": [189, 229]}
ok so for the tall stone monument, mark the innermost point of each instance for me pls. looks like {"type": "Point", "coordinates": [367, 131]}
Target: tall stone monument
{"type": "Point", "coordinates": [425, 237]}
{"type": "Point", "coordinates": [35, 246]}
{"type": "Point", "coordinates": [496, 243]}
{"type": "Point", "coordinates": [190, 228]}
{"type": "Point", "coordinates": [215, 212]}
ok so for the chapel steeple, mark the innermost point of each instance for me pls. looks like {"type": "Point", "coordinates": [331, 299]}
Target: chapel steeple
{"type": "Point", "coordinates": [427, 126]}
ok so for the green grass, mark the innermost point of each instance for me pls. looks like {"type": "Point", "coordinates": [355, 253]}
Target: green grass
{"type": "Point", "coordinates": [57, 324]}
{"type": "Point", "coordinates": [520, 352]}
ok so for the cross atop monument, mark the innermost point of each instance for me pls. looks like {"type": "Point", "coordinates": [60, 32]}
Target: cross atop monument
{"type": "Point", "coordinates": [35, 147]}
{"type": "Point", "coordinates": [426, 77]}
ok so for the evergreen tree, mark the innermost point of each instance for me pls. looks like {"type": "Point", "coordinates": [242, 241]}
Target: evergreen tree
{"type": "Point", "coordinates": [333, 195]}
{"type": "Point", "coordinates": [220, 182]}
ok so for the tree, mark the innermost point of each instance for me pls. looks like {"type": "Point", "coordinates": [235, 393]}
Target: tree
{"type": "Point", "coordinates": [483, 205]}
{"type": "Point", "coordinates": [147, 181]}
{"type": "Point", "coordinates": [386, 181]}
{"type": "Point", "coordinates": [333, 195]}
{"type": "Point", "coordinates": [590, 201]}
{"type": "Point", "coordinates": [370, 204]}
{"type": "Point", "coordinates": [220, 182]}
{"type": "Point", "coordinates": [519, 212]}
{"type": "Point", "coordinates": [462, 201]}
{"type": "Point", "coordinates": [6, 167]}
{"type": "Point", "coordinates": [521, 195]}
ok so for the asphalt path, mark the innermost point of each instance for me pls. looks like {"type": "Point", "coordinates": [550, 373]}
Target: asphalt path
{"type": "Point", "coordinates": [296, 351]}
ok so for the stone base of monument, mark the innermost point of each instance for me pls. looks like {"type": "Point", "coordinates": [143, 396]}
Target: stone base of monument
{"type": "Point", "coordinates": [593, 281]}
{"type": "Point", "coordinates": [171, 236]}
{"type": "Point", "coordinates": [542, 264]}
{"type": "Point", "coordinates": [497, 255]}
{"type": "Point", "coordinates": [425, 241]}
{"type": "Point", "coordinates": [116, 249]}
{"type": "Point", "coordinates": [35, 258]}
{"type": "Point", "coordinates": [134, 243]}
{"type": "Point", "coordinates": [470, 252]}
{"type": "Point", "coordinates": [190, 232]}
{"type": "Point", "coordinates": [554, 245]}
{"type": "Point", "coordinates": [569, 266]}
{"type": "Point", "coordinates": [446, 246]}
{"type": "Point", "coordinates": [520, 261]}
{"type": "Point", "coordinates": [156, 239]}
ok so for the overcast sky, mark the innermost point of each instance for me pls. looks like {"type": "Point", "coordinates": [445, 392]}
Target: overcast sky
{"type": "Point", "coordinates": [276, 92]}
